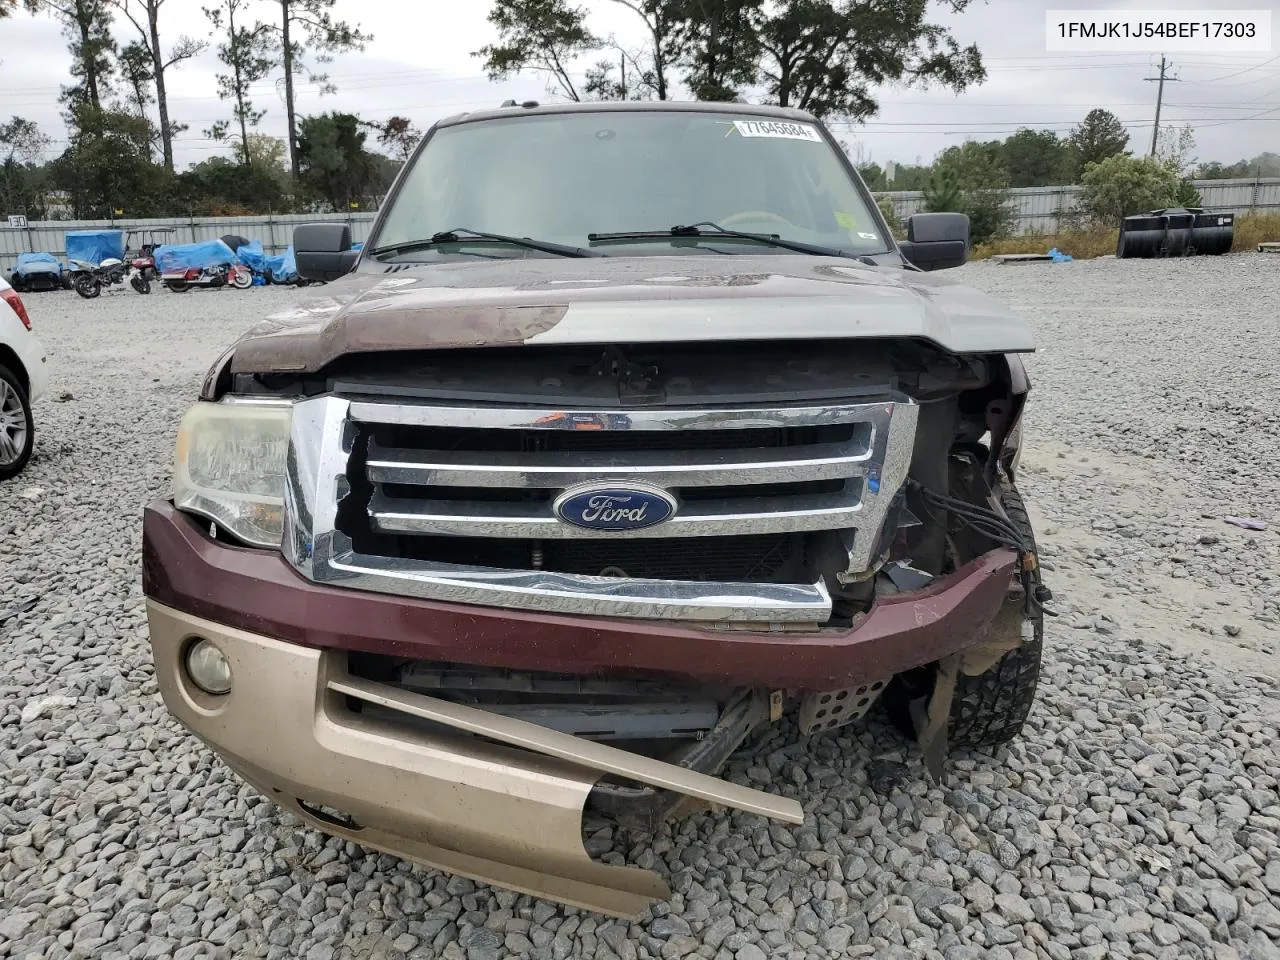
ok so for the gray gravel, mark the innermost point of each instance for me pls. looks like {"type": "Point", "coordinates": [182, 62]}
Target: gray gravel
{"type": "Point", "coordinates": [1138, 816]}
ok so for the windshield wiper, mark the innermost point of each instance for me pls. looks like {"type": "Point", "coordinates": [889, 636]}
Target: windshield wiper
{"type": "Point", "coordinates": [696, 231]}
{"type": "Point", "coordinates": [463, 234]}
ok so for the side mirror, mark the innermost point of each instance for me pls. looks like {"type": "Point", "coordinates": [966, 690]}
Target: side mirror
{"type": "Point", "coordinates": [323, 251]}
{"type": "Point", "coordinates": [936, 241]}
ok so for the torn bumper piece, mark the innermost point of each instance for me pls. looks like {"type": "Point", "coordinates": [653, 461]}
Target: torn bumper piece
{"type": "Point", "coordinates": [503, 806]}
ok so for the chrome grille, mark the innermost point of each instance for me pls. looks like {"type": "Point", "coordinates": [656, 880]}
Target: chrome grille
{"type": "Point", "coordinates": [431, 475]}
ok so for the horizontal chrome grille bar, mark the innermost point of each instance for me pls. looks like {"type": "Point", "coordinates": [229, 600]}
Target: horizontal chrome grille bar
{"type": "Point", "coordinates": [669, 468]}
{"type": "Point", "coordinates": [594, 596]}
{"type": "Point", "coordinates": [699, 519]}
{"type": "Point", "coordinates": [659, 418]}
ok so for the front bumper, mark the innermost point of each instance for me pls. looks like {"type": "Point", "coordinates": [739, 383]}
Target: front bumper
{"type": "Point", "coordinates": [485, 796]}
{"type": "Point", "coordinates": [258, 591]}
{"type": "Point", "coordinates": [467, 805]}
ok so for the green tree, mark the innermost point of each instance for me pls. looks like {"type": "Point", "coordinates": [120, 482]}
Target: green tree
{"type": "Point", "coordinates": [108, 165]}
{"type": "Point", "coordinates": [135, 70]}
{"type": "Point", "coordinates": [1263, 165]}
{"type": "Point", "coordinates": [1174, 146]}
{"type": "Point", "coordinates": [221, 187]}
{"type": "Point", "coordinates": [891, 217]}
{"type": "Point", "coordinates": [628, 75]}
{"type": "Point", "coordinates": [718, 46]}
{"type": "Point", "coordinates": [829, 56]}
{"type": "Point", "coordinates": [1036, 158]}
{"type": "Point", "coordinates": [972, 179]}
{"type": "Point", "coordinates": [1099, 136]}
{"type": "Point", "coordinates": [873, 176]}
{"type": "Point", "coordinates": [400, 136]}
{"type": "Point", "coordinates": [22, 179]}
{"type": "Point", "coordinates": [144, 15]}
{"type": "Point", "coordinates": [541, 36]}
{"type": "Point", "coordinates": [1219, 171]}
{"type": "Point", "coordinates": [1187, 195]}
{"type": "Point", "coordinates": [664, 21]}
{"type": "Point", "coordinates": [306, 28]}
{"type": "Point", "coordinates": [1120, 186]}
{"type": "Point", "coordinates": [246, 52]}
{"type": "Point", "coordinates": [910, 176]}
{"type": "Point", "coordinates": [87, 27]}
{"type": "Point", "coordinates": [336, 167]}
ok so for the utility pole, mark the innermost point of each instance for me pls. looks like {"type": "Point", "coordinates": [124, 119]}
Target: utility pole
{"type": "Point", "coordinates": [622, 57]}
{"type": "Point", "coordinates": [1155, 131]}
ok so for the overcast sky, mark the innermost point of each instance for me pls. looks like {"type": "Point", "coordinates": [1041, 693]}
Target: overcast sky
{"type": "Point", "coordinates": [419, 65]}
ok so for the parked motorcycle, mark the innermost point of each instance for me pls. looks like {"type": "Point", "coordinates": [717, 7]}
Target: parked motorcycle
{"type": "Point", "coordinates": [144, 263]}
{"type": "Point", "coordinates": [88, 279]}
{"type": "Point", "coordinates": [222, 275]}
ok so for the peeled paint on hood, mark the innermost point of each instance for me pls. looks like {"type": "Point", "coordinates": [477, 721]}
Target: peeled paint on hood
{"type": "Point", "coordinates": [626, 300]}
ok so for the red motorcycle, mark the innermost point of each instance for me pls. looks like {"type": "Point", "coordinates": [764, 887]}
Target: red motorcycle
{"type": "Point", "coordinates": [223, 275]}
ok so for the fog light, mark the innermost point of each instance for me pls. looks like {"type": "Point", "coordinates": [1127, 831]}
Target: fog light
{"type": "Point", "coordinates": [208, 668]}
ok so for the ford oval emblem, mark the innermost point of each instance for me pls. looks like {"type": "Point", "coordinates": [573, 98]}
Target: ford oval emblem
{"type": "Point", "coordinates": [614, 507]}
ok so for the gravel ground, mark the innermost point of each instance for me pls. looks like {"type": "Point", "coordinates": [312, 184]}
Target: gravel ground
{"type": "Point", "coordinates": [1137, 817]}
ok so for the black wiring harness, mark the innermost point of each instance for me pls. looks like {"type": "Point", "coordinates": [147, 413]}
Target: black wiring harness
{"type": "Point", "coordinates": [995, 526]}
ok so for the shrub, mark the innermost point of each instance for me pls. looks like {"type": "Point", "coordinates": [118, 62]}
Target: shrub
{"type": "Point", "coordinates": [1120, 186]}
{"type": "Point", "coordinates": [891, 217]}
{"type": "Point", "coordinates": [970, 180]}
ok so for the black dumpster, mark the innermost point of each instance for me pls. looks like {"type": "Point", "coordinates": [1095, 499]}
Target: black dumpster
{"type": "Point", "coordinates": [1175, 232]}
{"type": "Point", "coordinates": [1214, 233]}
{"type": "Point", "coordinates": [1141, 235]}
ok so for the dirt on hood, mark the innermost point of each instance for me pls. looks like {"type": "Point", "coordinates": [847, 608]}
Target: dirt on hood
{"type": "Point", "coordinates": [623, 300]}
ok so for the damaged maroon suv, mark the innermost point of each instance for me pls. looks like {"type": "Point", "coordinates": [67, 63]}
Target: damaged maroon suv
{"type": "Point", "coordinates": [484, 534]}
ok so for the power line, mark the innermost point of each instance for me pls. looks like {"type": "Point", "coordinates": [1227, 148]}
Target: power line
{"type": "Point", "coordinates": [1228, 76]}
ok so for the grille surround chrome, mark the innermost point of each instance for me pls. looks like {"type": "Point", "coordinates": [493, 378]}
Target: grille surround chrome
{"type": "Point", "coordinates": [321, 447]}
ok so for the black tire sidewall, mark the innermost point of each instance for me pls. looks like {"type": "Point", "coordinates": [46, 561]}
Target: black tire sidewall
{"type": "Point", "coordinates": [917, 683]}
{"type": "Point", "coordinates": [13, 469]}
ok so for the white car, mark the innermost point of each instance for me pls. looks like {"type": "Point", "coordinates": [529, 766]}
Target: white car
{"type": "Point", "coordinates": [23, 379]}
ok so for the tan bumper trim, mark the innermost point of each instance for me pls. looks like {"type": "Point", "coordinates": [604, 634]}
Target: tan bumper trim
{"type": "Point", "coordinates": [563, 746]}
{"type": "Point", "coordinates": [464, 804]}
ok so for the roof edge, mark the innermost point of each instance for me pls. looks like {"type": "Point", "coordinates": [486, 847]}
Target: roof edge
{"type": "Point", "coordinates": [632, 106]}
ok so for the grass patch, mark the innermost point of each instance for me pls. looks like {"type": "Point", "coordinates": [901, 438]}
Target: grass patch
{"type": "Point", "coordinates": [1253, 229]}
{"type": "Point", "coordinates": [1081, 244]}
{"type": "Point", "coordinates": [1250, 230]}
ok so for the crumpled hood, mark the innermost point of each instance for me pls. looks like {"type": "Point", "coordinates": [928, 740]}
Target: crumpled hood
{"type": "Point", "coordinates": [650, 299]}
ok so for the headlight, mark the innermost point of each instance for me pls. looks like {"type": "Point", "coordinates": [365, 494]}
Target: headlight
{"type": "Point", "coordinates": [231, 467]}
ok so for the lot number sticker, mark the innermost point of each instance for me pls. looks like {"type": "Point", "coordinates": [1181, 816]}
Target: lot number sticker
{"type": "Point", "coordinates": [778, 129]}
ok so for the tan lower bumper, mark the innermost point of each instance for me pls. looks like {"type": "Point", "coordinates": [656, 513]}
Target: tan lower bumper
{"type": "Point", "coordinates": [501, 815]}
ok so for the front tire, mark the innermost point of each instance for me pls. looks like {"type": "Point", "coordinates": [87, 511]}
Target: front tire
{"type": "Point", "coordinates": [140, 283]}
{"type": "Point", "coordinates": [991, 708]}
{"type": "Point", "coordinates": [17, 429]}
{"type": "Point", "coordinates": [88, 287]}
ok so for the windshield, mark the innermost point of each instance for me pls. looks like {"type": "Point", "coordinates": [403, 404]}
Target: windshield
{"type": "Point", "coordinates": [564, 177]}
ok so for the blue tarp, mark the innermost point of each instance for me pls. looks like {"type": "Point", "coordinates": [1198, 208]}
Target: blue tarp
{"type": "Point", "coordinates": [358, 246]}
{"type": "Point", "coordinates": [1060, 257]}
{"type": "Point", "coordinates": [187, 256]}
{"type": "Point", "coordinates": [252, 256]}
{"type": "Point", "coordinates": [284, 267]}
{"type": "Point", "coordinates": [95, 246]}
{"type": "Point", "coordinates": [32, 264]}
